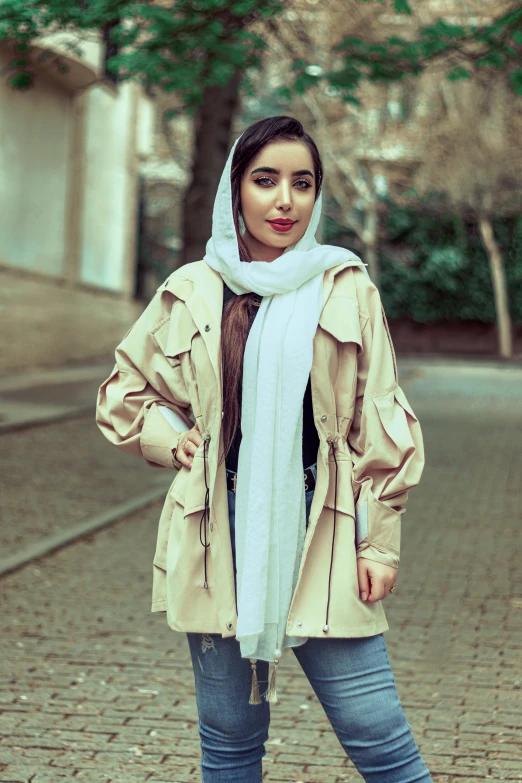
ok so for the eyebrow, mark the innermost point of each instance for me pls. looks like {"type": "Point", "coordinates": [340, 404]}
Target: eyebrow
{"type": "Point", "coordinates": [270, 170]}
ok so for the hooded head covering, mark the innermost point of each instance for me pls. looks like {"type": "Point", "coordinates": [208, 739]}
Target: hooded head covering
{"type": "Point", "coordinates": [270, 496]}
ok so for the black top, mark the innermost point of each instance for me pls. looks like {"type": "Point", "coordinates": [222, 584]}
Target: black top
{"type": "Point", "coordinates": [310, 436]}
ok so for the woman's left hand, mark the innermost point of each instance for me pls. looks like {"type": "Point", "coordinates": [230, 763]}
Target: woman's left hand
{"type": "Point", "coordinates": [375, 579]}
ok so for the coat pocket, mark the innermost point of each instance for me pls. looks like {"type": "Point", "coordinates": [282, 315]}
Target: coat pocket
{"type": "Point", "coordinates": [160, 555]}
{"type": "Point", "coordinates": [340, 317]}
{"type": "Point", "coordinates": [341, 339]}
{"type": "Point", "coordinates": [176, 340]}
{"type": "Point", "coordinates": [189, 487]}
{"type": "Point", "coordinates": [179, 334]}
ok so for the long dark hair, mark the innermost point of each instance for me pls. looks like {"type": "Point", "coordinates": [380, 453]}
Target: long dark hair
{"type": "Point", "coordinates": [236, 323]}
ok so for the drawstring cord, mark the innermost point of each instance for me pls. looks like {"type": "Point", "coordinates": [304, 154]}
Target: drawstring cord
{"type": "Point", "coordinates": [326, 626]}
{"type": "Point", "coordinates": [204, 517]}
{"type": "Point", "coordinates": [271, 695]}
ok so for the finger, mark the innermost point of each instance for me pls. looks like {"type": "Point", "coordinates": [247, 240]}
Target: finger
{"type": "Point", "coordinates": [389, 588]}
{"type": "Point", "coordinates": [190, 447]}
{"type": "Point", "coordinates": [183, 454]}
{"type": "Point", "coordinates": [364, 583]}
{"type": "Point", "coordinates": [377, 589]}
{"type": "Point", "coordinates": [182, 457]}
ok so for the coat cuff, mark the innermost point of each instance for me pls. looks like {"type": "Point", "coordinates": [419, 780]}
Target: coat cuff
{"type": "Point", "coordinates": [369, 552]}
{"type": "Point", "coordinates": [159, 440]}
{"type": "Point", "coordinates": [377, 530]}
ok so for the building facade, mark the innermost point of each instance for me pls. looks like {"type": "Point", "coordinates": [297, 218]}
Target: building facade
{"type": "Point", "coordinates": [71, 148]}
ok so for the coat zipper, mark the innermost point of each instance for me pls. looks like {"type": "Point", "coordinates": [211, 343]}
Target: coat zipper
{"type": "Point", "coordinates": [204, 522]}
{"type": "Point", "coordinates": [326, 627]}
{"type": "Point", "coordinates": [205, 516]}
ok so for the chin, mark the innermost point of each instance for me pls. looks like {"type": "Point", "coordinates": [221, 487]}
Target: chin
{"type": "Point", "coordinates": [279, 242]}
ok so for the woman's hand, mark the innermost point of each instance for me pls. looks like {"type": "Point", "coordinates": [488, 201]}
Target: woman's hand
{"type": "Point", "coordinates": [375, 579]}
{"type": "Point", "coordinates": [192, 440]}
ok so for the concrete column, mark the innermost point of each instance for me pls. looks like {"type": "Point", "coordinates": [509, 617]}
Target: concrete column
{"type": "Point", "coordinates": [75, 191]}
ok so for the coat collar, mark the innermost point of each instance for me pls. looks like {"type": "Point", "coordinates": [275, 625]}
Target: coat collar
{"type": "Point", "coordinates": [206, 279]}
{"type": "Point", "coordinates": [201, 289]}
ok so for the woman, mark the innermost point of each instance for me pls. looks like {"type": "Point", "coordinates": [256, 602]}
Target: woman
{"type": "Point", "coordinates": [281, 528]}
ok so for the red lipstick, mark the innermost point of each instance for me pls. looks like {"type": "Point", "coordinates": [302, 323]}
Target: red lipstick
{"type": "Point", "coordinates": [282, 225]}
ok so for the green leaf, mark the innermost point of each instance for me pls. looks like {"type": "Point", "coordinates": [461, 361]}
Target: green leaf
{"type": "Point", "coordinates": [20, 62]}
{"type": "Point", "coordinates": [493, 58]}
{"type": "Point", "coordinates": [515, 80]}
{"type": "Point", "coordinates": [303, 82]}
{"type": "Point", "coordinates": [458, 73]}
{"type": "Point", "coordinates": [402, 7]}
{"type": "Point", "coordinates": [442, 29]}
{"type": "Point", "coordinates": [284, 93]}
{"type": "Point", "coordinates": [21, 80]}
{"type": "Point", "coordinates": [346, 43]}
{"type": "Point", "coordinates": [348, 98]}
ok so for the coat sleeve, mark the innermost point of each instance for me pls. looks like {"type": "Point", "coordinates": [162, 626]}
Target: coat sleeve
{"type": "Point", "coordinates": [128, 405]}
{"type": "Point", "coordinates": [385, 439]}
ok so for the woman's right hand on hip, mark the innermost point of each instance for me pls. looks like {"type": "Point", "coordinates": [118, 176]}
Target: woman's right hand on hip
{"type": "Point", "coordinates": [192, 439]}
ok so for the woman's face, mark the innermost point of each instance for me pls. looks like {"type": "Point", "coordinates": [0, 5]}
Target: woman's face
{"type": "Point", "coordinates": [277, 198]}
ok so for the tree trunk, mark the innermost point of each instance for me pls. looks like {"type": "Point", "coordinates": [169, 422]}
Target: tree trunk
{"type": "Point", "coordinates": [371, 223]}
{"type": "Point", "coordinates": [213, 123]}
{"type": "Point", "coordinates": [505, 341]}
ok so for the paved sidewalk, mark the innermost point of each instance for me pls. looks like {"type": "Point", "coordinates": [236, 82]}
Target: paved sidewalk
{"type": "Point", "coordinates": [95, 687]}
{"type": "Point", "coordinates": [63, 474]}
{"type": "Point", "coordinates": [64, 479]}
{"type": "Point", "coordinates": [55, 394]}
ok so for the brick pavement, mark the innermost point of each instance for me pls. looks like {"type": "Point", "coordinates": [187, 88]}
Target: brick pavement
{"type": "Point", "coordinates": [47, 395]}
{"type": "Point", "coordinates": [95, 687]}
{"type": "Point", "coordinates": [60, 474]}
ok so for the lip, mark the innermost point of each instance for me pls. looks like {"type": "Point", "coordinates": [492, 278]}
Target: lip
{"type": "Point", "coordinates": [282, 225]}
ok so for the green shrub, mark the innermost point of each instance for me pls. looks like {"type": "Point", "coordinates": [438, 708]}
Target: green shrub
{"type": "Point", "coordinates": [446, 276]}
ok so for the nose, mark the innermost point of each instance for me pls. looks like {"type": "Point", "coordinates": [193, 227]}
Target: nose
{"type": "Point", "coordinates": [284, 196]}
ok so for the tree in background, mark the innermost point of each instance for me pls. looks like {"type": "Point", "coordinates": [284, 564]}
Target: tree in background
{"type": "Point", "coordinates": [204, 52]}
{"type": "Point", "coordinates": [195, 50]}
{"type": "Point", "coordinates": [470, 155]}
{"type": "Point", "coordinates": [373, 140]}
{"type": "Point", "coordinates": [344, 131]}
{"type": "Point", "coordinates": [475, 163]}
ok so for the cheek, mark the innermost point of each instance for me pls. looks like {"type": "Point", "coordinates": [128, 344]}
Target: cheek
{"type": "Point", "coordinates": [252, 202]}
{"type": "Point", "coordinates": [306, 211]}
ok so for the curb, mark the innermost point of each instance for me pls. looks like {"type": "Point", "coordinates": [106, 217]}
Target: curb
{"type": "Point", "coordinates": [49, 418]}
{"type": "Point", "coordinates": [459, 360]}
{"type": "Point", "coordinates": [63, 538]}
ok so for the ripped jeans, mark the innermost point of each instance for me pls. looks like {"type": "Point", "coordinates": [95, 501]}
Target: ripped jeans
{"type": "Point", "coordinates": [352, 679]}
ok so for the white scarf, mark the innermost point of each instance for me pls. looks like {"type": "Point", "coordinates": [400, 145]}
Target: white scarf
{"type": "Point", "coordinates": [270, 517]}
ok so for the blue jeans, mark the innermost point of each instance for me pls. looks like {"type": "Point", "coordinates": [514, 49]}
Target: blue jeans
{"type": "Point", "coordinates": [352, 679]}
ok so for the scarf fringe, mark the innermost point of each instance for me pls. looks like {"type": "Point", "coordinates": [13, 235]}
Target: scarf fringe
{"type": "Point", "coordinates": [271, 695]}
{"type": "Point", "coordinates": [254, 693]}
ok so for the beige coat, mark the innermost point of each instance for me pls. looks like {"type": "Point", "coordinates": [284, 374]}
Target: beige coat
{"type": "Point", "coordinates": [367, 432]}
